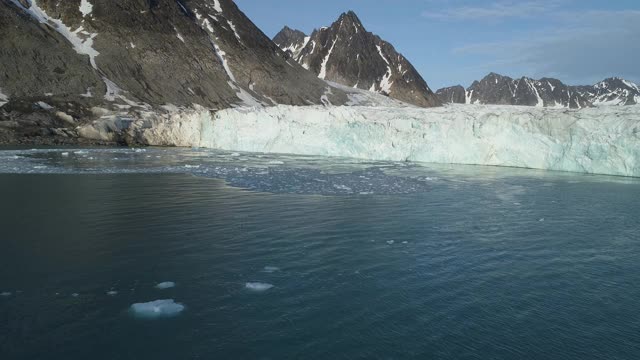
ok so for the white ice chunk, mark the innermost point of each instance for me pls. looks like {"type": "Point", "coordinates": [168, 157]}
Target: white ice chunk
{"type": "Point", "coordinates": [258, 286]}
{"type": "Point", "coordinates": [166, 285]}
{"type": "Point", "coordinates": [5, 294]}
{"type": "Point", "coordinates": [157, 309]}
{"type": "Point", "coordinates": [112, 293]}
{"type": "Point", "coordinates": [270, 269]}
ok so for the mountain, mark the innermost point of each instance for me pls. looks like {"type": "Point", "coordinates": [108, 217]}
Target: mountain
{"type": "Point", "coordinates": [347, 54]}
{"type": "Point", "coordinates": [503, 90]}
{"type": "Point", "coordinates": [74, 55]}
{"type": "Point", "coordinates": [612, 91]}
{"type": "Point", "coordinates": [291, 41]}
{"type": "Point", "coordinates": [452, 95]}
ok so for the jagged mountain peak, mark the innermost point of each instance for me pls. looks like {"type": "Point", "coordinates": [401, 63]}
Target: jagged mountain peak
{"type": "Point", "coordinates": [350, 18]}
{"type": "Point", "coordinates": [612, 91]}
{"type": "Point", "coordinates": [346, 53]}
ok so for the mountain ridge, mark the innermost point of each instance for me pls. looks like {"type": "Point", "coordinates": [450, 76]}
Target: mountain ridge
{"type": "Point", "coordinates": [496, 89]}
{"type": "Point", "coordinates": [347, 53]}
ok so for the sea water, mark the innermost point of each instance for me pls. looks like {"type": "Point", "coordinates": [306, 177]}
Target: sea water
{"type": "Point", "coordinates": [284, 257]}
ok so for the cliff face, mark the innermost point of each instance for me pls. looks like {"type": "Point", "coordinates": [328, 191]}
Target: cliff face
{"type": "Point", "coordinates": [157, 52]}
{"type": "Point", "coordinates": [71, 56]}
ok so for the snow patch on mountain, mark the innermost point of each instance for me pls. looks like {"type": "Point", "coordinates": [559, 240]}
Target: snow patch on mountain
{"type": "Point", "coordinates": [86, 8]}
{"type": "Point", "coordinates": [81, 40]}
{"type": "Point", "coordinates": [3, 98]}
{"type": "Point", "coordinates": [323, 68]}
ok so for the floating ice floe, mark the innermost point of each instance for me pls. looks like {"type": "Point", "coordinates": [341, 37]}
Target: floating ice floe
{"type": "Point", "coordinates": [166, 285]}
{"type": "Point", "coordinates": [258, 286]}
{"type": "Point", "coordinates": [112, 293]}
{"type": "Point", "coordinates": [270, 269]}
{"type": "Point", "coordinates": [157, 309]}
{"type": "Point", "coordinates": [75, 295]}
{"type": "Point", "coordinates": [5, 294]}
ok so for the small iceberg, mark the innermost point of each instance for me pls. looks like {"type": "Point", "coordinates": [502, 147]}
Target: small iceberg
{"type": "Point", "coordinates": [157, 309]}
{"type": "Point", "coordinates": [75, 295]}
{"type": "Point", "coordinates": [270, 269]}
{"type": "Point", "coordinates": [258, 286]}
{"type": "Point", "coordinates": [6, 294]}
{"type": "Point", "coordinates": [166, 285]}
{"type": "Point", "coordinates": [112, 293]}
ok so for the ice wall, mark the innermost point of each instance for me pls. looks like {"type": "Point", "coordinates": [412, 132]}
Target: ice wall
{"type": "Point", "coordinates": [597, 141]}
{"type": "Point", "coordinates": [602, 140]}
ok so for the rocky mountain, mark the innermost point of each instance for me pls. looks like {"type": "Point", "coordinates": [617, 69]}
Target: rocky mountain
{"type": "Point", "coordinates": [291, 41]}
{"type": "Point", "coordinates": [503, 90]}
{"type": "Point", "coordinates": [452, 95]}
{"type": "Point", "coordinates": [346, 53]}
{"type": "Point", "coordinates": [61, 58]}
{"type": "Point", "coordinates": [612, 91]}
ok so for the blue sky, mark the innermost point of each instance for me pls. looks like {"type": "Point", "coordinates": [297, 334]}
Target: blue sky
{"type": "Point", "coordinates": [457, 41]}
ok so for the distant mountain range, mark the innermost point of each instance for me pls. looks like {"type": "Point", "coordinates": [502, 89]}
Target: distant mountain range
{"type": "Point", "coordinates": [346, 53]}
{"type": "Point", "coordinates": [496, 89]}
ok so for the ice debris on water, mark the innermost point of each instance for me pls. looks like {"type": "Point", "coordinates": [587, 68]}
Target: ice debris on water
{"type": "Point", "coordinates": [300, 175]}
{"type": "Point", "coordinates": [270, 269]}
{"type": "Point", "coordinates": [112, 293]}
{"type": "Point", "coordinates": [157, 309]}
{"type": "Point", "coordinates": [258, 286]}
{"type": "Point", "coordinates": [75, 295]}
{"type": "Point", "coordinates": [5, 294]}
{"type": "Point", "coordinates": [166, 285]}
{"type": "Point", "coordinates": [391, 242]}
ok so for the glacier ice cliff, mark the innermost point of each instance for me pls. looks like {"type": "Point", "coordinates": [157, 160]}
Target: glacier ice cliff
{"type": "Point", "coordinates": [595, 141]}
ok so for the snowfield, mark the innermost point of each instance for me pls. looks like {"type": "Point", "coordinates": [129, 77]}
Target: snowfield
{"type": "Point", "coordinates": [595, 141]}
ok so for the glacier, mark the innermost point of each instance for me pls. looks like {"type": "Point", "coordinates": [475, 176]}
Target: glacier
{"type": "Point", "coordinates": [594, 141]}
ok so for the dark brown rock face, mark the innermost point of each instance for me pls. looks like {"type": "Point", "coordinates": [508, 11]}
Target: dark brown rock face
{"type": "Point", "coordinates": [347, 54]}
{"type": "Point", "coordinates": [157, 52]}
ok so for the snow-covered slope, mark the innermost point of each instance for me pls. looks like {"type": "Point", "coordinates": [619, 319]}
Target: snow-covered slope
{"type": "Point", "coordinates": [612, 91]}
{"type": "Point", "coordinates": [596, 140]}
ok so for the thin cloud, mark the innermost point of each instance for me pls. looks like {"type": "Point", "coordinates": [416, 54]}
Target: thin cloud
{"type": "Point", "coordinates": [495, 11]}
{"type": "Point", "coordinates": [581, 48]}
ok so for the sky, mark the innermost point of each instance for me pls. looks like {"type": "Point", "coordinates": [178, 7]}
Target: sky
{"type": "Point", "coordinates": [454, 42]}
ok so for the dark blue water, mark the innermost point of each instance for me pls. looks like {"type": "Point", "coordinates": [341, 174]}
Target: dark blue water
{"type": "Point", "coordinates": [366, 260]}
